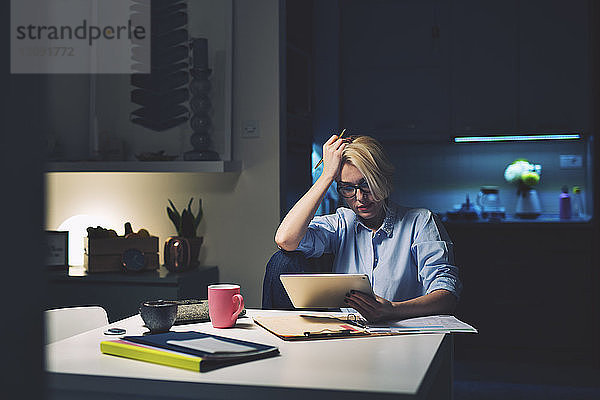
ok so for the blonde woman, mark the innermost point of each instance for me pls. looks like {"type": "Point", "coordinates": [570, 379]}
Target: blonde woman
{"type": "Point", "coordinates": [406, 253]}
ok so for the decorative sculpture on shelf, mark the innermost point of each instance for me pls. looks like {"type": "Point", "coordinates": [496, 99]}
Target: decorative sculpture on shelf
{"type": "Point", "coordinates": [200, 104]}
{"type": "Point", "coordinates": [162, 94]}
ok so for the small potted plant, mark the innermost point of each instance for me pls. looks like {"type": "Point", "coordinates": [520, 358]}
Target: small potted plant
{"type": "Point", "coordinates": [182, 251]}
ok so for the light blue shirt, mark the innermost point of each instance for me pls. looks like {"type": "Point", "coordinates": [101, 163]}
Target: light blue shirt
{"type": "Point", "coordinates": [410, 255]}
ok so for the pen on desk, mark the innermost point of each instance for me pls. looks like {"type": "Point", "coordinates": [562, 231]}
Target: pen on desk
{"type": "Point", "coordinates": [321, 160]}
{"type": "Point", "coordinates": [327, 333]}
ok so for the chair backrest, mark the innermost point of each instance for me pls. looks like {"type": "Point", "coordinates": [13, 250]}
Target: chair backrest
{"type": "Point", "coordinates": [286, 262]}
{"type": "Point", "coordinates": [62, 323]}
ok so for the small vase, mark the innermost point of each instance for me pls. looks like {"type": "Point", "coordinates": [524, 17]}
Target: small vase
{"type": "Point", "coordinates": [182, 253]}
{"type": "Point", "coordinates": [528, 204]}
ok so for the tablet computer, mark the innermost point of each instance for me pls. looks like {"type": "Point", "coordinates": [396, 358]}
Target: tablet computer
{"type": "Point", "coordinates": [323, 290]}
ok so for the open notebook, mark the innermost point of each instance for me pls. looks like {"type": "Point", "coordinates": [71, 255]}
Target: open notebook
{"type": "Point", "coordinates": [339, 325]}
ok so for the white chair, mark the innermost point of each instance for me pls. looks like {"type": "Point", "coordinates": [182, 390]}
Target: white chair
{"type": "Point", "coordinates": [62, 323]}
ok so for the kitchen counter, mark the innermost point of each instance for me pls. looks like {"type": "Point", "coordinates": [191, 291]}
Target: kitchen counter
{"type": "Point", "coordinates": [529, 274]}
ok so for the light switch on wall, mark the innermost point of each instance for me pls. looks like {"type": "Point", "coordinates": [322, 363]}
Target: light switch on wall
{"type": "Point", "coordinates": [568, 161]}
{"type": "Point", "coordinates": [250, 129]}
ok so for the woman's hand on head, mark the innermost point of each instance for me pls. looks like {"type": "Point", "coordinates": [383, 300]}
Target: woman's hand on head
{"type": "Point", "coordinates": [332, 157]}
{"type": "Point", "coordinates": [373, 309]}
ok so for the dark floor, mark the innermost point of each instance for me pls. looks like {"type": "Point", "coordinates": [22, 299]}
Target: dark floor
{"type": "Point", "coordinates": [476, 379]}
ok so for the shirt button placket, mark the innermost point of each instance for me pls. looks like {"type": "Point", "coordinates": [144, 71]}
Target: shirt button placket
{"type": "Point", "coordinates": [375, 256]}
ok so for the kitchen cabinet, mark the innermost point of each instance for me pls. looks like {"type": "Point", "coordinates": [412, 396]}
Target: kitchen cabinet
{"type": "Point", "coordinates": [484, 66]}
{"type": "Point", "coordinates": [429, 70]}
{"type": "Point", "coordinates": [394, 67]}
{"type": "Point", "coordinates": [529, 289]}
{"type": "Point", "coordinates": [554, 76]}
{"type": "Point", "coordinates": [121, 293]}
{"type": "Point", "coordinates": [519, 66]}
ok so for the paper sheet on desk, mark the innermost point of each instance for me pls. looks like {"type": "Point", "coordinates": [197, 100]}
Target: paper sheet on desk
{"type": "Point", "coordinates": [434, 323]}
{"type": "Point", "coordinates": [211, 345]}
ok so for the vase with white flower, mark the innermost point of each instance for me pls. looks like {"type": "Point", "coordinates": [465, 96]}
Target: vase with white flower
{"type": "Point", "coordinates": [525, 175]}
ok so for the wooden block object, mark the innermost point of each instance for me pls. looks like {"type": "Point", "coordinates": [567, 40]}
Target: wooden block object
{"type": "Point", "coordinates": [118, 245]}
{"type": "Point", "coordinates": [105, 255]}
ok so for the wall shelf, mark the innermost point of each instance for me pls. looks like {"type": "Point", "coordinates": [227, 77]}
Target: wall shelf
{"type": "Point", "coordinates": [144, 166]}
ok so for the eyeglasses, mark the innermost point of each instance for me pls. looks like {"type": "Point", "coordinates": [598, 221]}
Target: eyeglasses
{"type": "Point", "coordinates": [348, 191]}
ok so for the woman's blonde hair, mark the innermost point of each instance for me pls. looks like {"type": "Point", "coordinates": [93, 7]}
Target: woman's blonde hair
{"type": "Point", "coordinates": [367, 155]}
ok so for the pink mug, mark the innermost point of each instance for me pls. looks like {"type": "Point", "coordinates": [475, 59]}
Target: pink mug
{"type": "Point", "coordinates": [224, 304]}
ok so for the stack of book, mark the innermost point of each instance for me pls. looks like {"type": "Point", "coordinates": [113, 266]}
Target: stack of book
{"type": "Point", "coordinates": [188, 350]}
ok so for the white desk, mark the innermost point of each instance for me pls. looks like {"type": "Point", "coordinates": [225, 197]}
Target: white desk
{"type": "Point", "coordinates": [407, 366]}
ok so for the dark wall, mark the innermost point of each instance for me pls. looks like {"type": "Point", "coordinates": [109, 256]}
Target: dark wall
{"type": "Point", "coordinates": [595, 123]}
{"type": "Point", "coordinates": [298, 81]}
{"type": "Point", "coordinates": [22, 281]}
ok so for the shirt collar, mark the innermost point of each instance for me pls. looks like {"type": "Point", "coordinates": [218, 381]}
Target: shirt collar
{"type": "Point", "coordinates": [388, 222]}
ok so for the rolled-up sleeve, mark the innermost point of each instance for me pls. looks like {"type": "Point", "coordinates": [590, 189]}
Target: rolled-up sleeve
{"type": "Point", "coordinates": [321, 236]}
{"type": "Point", "coordinates": [434, 256]}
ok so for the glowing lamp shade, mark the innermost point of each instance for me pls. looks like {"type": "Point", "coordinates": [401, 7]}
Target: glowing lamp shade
{"type": "Point", "coordinates": [77, 226]}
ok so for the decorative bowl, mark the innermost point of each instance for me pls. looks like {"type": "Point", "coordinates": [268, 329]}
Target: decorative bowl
{"type": "Point", "coordinates": [158, 315]}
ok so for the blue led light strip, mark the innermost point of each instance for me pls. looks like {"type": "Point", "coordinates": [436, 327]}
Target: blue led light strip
{"type": "Point", "coordinates": [515, 138]}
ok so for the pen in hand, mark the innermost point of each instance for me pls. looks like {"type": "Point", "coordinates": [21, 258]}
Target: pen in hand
{"type": "Point", "coordinates": [321, 160]}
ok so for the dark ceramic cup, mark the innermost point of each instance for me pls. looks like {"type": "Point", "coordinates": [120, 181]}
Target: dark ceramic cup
{"type": "Point", "coordinates": [158, 315]}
